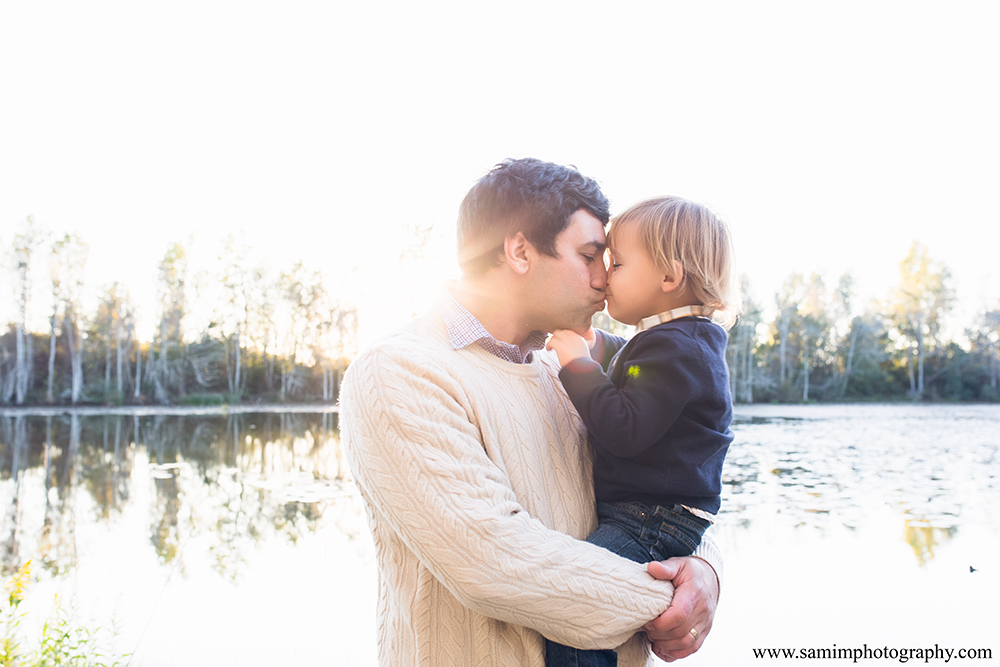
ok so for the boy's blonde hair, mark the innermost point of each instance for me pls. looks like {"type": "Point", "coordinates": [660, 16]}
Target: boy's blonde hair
{"type": "Point", "coordinates": [671, 228]}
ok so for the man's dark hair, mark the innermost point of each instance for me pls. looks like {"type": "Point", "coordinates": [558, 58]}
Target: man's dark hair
{"type": "Point", "coordinates": [528, 195]}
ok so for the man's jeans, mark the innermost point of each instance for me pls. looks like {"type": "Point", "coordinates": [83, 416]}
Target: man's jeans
{"type": "Point", "coordinates": [642, 533]}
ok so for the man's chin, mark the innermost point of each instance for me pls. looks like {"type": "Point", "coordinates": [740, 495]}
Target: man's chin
{"type": "Point", "coordinates": [580, 326]}
{"type": "Point", "coordinates": [584, 327]}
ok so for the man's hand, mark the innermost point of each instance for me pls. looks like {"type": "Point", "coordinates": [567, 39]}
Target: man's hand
{"type": "Point", "coordinates": [696, 594]}
{"type": "Point", "coordinates": [568, 346]}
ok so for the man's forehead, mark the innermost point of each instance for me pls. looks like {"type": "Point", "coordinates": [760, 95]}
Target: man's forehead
{"type": "Point", "coordinates": [584, 230]}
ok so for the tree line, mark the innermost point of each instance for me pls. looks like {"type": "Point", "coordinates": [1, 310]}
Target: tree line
{"type": "Point", "coordinates": [821, 346]}
{"type": "Point", "coordinates": [286, 336]}
{"type": "Point", "coordinates": [270, 336]}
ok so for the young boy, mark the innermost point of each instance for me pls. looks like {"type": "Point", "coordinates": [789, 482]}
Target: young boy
{"type": "Point", "coordinates": [659, 420]}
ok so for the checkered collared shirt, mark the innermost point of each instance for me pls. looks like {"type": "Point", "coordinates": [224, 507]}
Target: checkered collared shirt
{"type": "Point", "coordinates": [464, 330]}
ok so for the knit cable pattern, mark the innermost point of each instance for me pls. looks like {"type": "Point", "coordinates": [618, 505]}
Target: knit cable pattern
{"type": "Point", "coordinates": [476, 478]}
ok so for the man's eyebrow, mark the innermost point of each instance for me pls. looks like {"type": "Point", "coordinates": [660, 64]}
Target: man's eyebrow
{"type": "Point", "coordinates": [596, 245]}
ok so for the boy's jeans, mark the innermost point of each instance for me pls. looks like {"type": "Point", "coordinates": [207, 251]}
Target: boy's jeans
{"type": "Point", "coordinates": [642, 533]}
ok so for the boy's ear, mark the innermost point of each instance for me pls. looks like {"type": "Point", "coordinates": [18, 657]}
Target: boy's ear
{"type": "Point", "coordinates": [673, 280]}
{"type": "Point", "coordinates": [517, 253]}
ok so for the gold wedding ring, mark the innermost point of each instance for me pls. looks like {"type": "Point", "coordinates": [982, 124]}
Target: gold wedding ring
{"type": "Point", "coordinates": [694, 633]}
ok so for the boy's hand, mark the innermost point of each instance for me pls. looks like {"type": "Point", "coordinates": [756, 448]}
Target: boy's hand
{"type": "Point", "coordinates": [568, 346]}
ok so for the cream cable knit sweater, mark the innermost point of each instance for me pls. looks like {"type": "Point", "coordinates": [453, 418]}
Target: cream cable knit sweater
{"type": "Point", "coordinates": [477, 478]}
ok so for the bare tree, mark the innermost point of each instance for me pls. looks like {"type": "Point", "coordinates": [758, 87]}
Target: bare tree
{"type": "Point", "coordinates": [111, 327]}
{"type": "Point", "coordinates": [844, 331]}
{"type": "Point", "coordinates": [301, 290]}
{"type": "Point", "coordinates": [22, 250]}
{"type": "Point", "coordinates": [347, 340]}
{"type": "Point", "coordinates": [236, 280]}
{"type": "Point", "coordinates": [742, 341]}
{"type": "Point", "coordinates": [173, 273]}
{"type": "Point", "coordinates": [918, 306]}
{"type": "Point", "coordinates": [8, 374]}
{"type": "Point", "coordinates": [138, 365]}
{"type": "Point", "coordinates": [985, 339]}
{"type": "Point", "coordinates": [815, 326]}
{"type": "Point", "coordinates": [336, 336]}
{"type": "Point", "coordinates": [69, 257]}
{"type": "Point", "coordinates": [787, 301]}
{"type": "Point", "coordinates": [56, 277]}
{"type": "Point", "coordinates": [262, 324]}
{"type": "Point", "coordinates": [323, 343]}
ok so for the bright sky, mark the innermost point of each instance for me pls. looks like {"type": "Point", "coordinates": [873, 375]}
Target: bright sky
{"type": "Point", "coordinates": [830, 135]}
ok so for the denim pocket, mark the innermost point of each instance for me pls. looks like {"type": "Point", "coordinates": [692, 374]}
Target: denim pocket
{"type": "Point", "coordinates": [679, 535]}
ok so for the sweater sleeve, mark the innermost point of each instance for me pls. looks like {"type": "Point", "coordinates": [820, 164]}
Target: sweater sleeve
{"type": "Point", "coordinates": [659, 378]}
{"type": "Point", "coordinates": [418, 459]}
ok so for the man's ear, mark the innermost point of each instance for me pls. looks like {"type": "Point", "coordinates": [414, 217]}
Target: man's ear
{"type": "Point", "coordinates": [673, 280]}
{"type": "Point", "coordinates": [517, 253]}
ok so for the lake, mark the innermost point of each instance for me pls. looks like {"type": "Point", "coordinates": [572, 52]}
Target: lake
{"type": "Point", "coordinates": [238, 539]}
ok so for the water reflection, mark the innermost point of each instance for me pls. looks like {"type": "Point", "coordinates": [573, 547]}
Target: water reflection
{"type": "Point", "coordinates": [230, 483]}
{"type": "Point", "coordinates": [185, 526]}
{"type": "Point", "coordinates": [936, 467]}
{"type": "Point", "coordinates": [923, 537]}
{"type": "Point", "coordinates": [227, 481]}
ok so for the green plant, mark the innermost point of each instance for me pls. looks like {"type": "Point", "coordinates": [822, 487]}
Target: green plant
{"type": "Point", "coordinates": [64, 640]}
{"type": "Point", "coordinates": [66, 643]}
{"type": "Point", "coordinates": [10, 647]}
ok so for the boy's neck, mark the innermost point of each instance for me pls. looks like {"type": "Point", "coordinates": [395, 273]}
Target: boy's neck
{"type": "Point", "coordinates": [678, 298]}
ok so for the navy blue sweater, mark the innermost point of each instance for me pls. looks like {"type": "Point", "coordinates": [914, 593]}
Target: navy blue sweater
{"type": "Point", "coordinates": [659, 420]}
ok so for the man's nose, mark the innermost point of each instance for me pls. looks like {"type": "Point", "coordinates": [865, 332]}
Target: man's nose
{"type": "Point", "coordinates": [599, 278]}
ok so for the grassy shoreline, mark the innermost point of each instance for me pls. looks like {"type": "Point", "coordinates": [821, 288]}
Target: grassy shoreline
{"type": "Point", "coordinates": [56, 410]}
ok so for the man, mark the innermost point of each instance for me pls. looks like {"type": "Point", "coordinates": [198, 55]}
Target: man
{"type": "Point", "coordinates": [474, 466]}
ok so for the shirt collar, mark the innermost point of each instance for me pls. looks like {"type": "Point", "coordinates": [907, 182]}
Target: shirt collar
{"type": "Point", "coordinates": [464, 330]}
{"type": "Point", "coordinates": [676, 313]}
